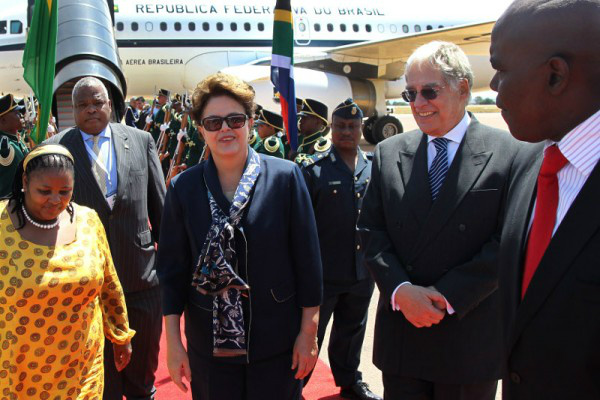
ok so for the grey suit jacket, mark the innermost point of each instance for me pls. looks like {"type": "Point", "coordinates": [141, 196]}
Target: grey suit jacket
{"type": "Point", "coordinates": [451, 244]}
{"type": "Point", "coordinates": [139, 201]}
{"type": "Point", "coordinates": [552, 336]}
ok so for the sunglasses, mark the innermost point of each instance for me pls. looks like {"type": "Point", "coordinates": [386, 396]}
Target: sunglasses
{"type": "Point", "coordinates": [234, 121]}
{"type": "Point", "coordinates": [427, 93]}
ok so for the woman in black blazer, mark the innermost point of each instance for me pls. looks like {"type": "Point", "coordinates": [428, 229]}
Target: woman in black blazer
{"type": "Point", "coordinates": [239, 254]}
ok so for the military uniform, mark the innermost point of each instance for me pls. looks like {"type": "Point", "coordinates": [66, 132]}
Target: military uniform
{"type": "Point", "coordinates": [271, 145]}
{"type": "Point", "coordinates": [194, 145]}
{"type": "Point", "coordinates": [158, 118]}
{"type": "Point", "coordinates": [337, 193]}
{"type": "Point", "coordinates": [313, 142]}
{"type": "Point", "coordinates": [254, 140]}
{"type": "Point", "coordinates": [12, 148]}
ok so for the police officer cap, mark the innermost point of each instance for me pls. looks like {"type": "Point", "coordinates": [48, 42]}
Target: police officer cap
{"type": "Point", "coordinates": [164, 92]}
{"type": "Point", "coordinates": [315, 108]}
{"type": "Point", "coordinates": [257, 111]}
{"type": "Point", "coordinates": [348, 110]}
{"type": "Point", "coordinates": [7, 104]}
{"type": "Point", "coordinates": [270, 118]}
{"type": "Point", "coordinates": [176, 98]}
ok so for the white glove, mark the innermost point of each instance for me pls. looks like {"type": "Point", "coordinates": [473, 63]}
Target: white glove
{"type": "Point", "coordinates": [182, 133]}
{"type": "Point", "coordinates": [148, 119]}
{"type": "Point", "coordinates": [164, 127]}
{"type": "Point", "coordinates": [50, 129]}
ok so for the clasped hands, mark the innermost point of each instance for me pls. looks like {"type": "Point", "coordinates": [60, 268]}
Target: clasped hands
{"type": "Point", "coordinates": [421, 306]}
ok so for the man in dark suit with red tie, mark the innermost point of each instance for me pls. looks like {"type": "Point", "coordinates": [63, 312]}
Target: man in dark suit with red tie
{"type": "Point", "coordinates": [547, 57]}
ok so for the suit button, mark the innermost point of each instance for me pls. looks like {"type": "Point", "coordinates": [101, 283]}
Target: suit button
{"type": "Point", "coordinates": [409, 268]}
{"type": "Point", "coordinates": [334, 191]}
{"type": "Point", "coordinates": [462, 227]}
{"type": "Point", "coordinates": [358, 195]}
{"type": "Point", "coordinates": [358, 247]}
{"type": "Point", "coordinates": [515, 378]}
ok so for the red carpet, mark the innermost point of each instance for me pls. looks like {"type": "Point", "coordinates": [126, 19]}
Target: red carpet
{"type": "Point", "coordinates": [320, 387]}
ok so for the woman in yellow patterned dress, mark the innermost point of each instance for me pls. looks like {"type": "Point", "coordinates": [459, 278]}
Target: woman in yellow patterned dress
{"type": "Point", "coordinates": [59, 292]}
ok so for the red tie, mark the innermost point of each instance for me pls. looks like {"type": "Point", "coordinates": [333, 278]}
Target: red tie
{"type": "Point", "coordinates": [545, 213]}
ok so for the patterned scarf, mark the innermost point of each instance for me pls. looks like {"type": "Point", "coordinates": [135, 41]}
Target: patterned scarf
{"type": "Point", "coordinates": [215, 273]}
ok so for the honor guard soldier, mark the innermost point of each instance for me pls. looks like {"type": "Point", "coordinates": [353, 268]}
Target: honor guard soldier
{"type": "Point", "coordinates": [194, 144]}
{"type": "Point", "coordinates": [312, 125]}
{"type": "Point", "coordinates": [269, 126]}
{"type": "Point", "coordinates": [254, 140]}
{"type": "Point", "coordinates": [337, 179]}
{"type": "Point", "coordinates": [159, 111]}
{"type": "Point", "coordinates": [12, 149]}
{"type": "Point", "coordinates": [175, 124]}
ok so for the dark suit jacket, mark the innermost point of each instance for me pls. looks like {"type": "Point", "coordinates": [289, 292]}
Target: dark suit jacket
{"type": "Point", "coordinates": [553, 335]}
{"type": "Point", "coordinates": [451, 244]}
{"type": "Point", "coordinates": [140, 198]}
{"type": "Point", "coordinates": [277, 254]}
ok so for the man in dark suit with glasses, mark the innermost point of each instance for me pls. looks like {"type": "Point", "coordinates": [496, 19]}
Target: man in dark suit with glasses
{"type": "Point", "coordinates": [430, 227]}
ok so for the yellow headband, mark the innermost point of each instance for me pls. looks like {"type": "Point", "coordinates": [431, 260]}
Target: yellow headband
{"type": "Point", "coordinates": [47, 149]}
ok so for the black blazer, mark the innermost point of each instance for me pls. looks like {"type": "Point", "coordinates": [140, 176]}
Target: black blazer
{"type": "Point", "coordinates": [278, 255]}
{"type": "Point", "coordinates": [451, 244]}
{"type": "Point", "coordinates": [553, 335]}
{"type": "Point", "coordinates": [140, 198]}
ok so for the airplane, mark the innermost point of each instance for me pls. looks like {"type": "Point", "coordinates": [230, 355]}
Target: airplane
{"type": "Point", "coordinates": [352, 49]}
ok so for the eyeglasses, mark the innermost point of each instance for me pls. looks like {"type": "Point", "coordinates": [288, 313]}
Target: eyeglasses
{"type": "Point", "coordinates": [234, 121]}
{"type": "Point", "coordinates": [427, 93]}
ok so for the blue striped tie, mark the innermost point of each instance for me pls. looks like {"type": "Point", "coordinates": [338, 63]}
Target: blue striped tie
{"type": "Point", "coordinates": [439, 166]}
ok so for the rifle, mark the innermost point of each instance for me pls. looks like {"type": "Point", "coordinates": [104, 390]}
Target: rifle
{"type": "Point", "coordinates": [176, 165]}
{"type": "Point", "coordinates": [163, 138]}
{"type": "Point", "coordinates": [29, 117]}
{"type": "Point", "coordinates": [149, 124]}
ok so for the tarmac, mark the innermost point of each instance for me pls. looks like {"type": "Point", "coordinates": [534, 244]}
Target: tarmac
{"type": "Point", "coordinates": [371, 374]}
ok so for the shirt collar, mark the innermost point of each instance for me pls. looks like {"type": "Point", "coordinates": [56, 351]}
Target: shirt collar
{"type": "Point", "coordinates": [106, 133]}
{"type": "Point", "coordinates": [581, 146]}
{"type": "Point", "coordinates": [457, 133]}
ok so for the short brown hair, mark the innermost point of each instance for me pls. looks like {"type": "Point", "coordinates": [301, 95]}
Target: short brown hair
{"type": "Point", "coordinates": [220, 84]}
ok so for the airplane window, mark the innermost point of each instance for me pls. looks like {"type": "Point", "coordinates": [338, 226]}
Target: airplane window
{"type": "Point", "coordinates": [393, 28]}
{"type": "Point", "coordinates": [405, 28]}
{"type": "Point", "coordinates": [441, 26]}
{"type": "Point", "coordinates": [381, 28]}
{"type": "Point", "coordinates": [177, 26]}
{"type": "Point", "coordinates": [233, 26]}
{"type": "Point", "coordinates": [429, 27]}
{"type": "Point", "coordinates": [134, 26]}
{"type": "Point", "coordinates": [343, 27]}
{"type": "Point", "coordinates": [317, 27]}
{"type": "Point", "coordinates": [149, 26]}
{"type": "Point", "coordinates": [16, 27]}
{"type": "Point", "coordinates": [219, 26]}
{"type": "Point", "coordinates": [330, 27]}
{"type": "Point", "coordinates": [355, 27]}
{"type": "Point", "coordinates": [120, 26]}
{"type": "Point", "coordinates": [368, 27]}
{"type": "Point", "coordinates": [205, 26]}
{"type": "Point", "coordinates": [261, 26]}
{"type": "Point", "coordinates": [302, 27]}
{"type": "Point", "coordinates": [246, 26]}
{"type": "Point", "coordinates": [163, 26]}
{"type": "Point", "coordinates": [2, 27]}
{"type": "Point", "coordinates": [192, 26]}
{"type": "Point", "coordinates": [417, 28]}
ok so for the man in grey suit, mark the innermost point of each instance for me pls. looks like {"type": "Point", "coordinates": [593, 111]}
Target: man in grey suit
{"type": "Point", "coordinates": [430, 228]}
{"type": "Point", "coordinates": [118, 174]}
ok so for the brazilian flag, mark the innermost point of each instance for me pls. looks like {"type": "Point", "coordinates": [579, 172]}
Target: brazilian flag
{"type": "Point", "coordinates": [282, 68]}
{"type": "Point", "coordinates": [39, 60]}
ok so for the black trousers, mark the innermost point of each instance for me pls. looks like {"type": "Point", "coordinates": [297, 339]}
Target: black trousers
{"type": "Point", "coordinates": [349, 306]}
{"type": "Point", "coordinates": [136, 381]}
{"type": "Point", "coordinates": [214, 378]}
{"type": "Point", "coordinates": [404, 388]}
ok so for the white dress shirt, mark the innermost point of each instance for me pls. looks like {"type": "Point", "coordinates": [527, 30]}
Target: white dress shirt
{"type": "Point", "coordinates": [581, 148]}
{"type": "Point", "coordinates": [455, 137]}
{"type": "Point", "coordinates": [106, 156]}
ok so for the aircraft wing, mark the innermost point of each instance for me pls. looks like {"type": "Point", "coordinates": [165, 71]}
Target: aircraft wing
{"type": "Point", "coordinates": [385, 59]}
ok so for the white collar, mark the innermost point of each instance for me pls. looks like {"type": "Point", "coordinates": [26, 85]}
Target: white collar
{"type": "Point", "coordinates": [106, 133]}
{"type": "Point", "coordinates": [457, 133]}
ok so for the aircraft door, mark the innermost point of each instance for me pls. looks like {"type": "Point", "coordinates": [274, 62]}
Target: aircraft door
{"type": "Point", "coordinates": [301, 31]}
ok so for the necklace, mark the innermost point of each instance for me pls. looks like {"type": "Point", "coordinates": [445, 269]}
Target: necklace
{"type": "Point", "coordinates": [37, 224]}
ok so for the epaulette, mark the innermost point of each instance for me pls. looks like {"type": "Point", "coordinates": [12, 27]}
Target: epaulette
{"type": "Point", "coordinates": [322, 145]}
{"type": "Point", "coordinates": [369, 155]}
{"type": "Point", "coordinates": [7, 152]}
{"type": "Point", "coordinates": [252, 138]}
{"type": "Point", "coordinates": [272, 144]}
{"type": "Point", "coordinates": [315, 158]}
{"type": "Point", "coordinates": [301, 158]}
